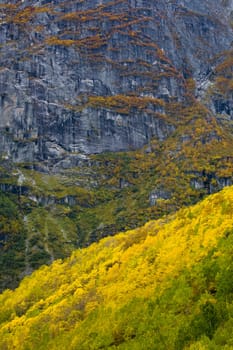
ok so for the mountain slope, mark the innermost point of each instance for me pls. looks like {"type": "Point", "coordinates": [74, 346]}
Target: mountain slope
{"type": "Point", "coordinates": [81, 81]}
{"type": "Point", "coordinates": [165, 285]}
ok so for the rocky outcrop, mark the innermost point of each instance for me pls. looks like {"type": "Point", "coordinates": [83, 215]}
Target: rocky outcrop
{"type": "Point", "coordinates": [94, 76]}
{"type": "Point", "coordinates": [209, 182]}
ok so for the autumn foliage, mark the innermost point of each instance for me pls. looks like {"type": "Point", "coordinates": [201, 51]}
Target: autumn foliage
{"type": "Point", "coordinates": [166, 285]}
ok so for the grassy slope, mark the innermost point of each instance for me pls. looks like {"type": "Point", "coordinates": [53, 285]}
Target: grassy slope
{"type": "Point", "coordinates": [166, 285]}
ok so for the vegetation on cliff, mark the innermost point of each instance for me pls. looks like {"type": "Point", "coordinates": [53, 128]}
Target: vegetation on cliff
{"type": "Point", "coordinates": [111, 192]}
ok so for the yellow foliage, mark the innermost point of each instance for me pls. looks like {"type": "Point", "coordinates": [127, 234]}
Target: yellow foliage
{"type": "Point", "coordinates": [123, 103]}
{"type": "Point", "coordinates": [115, 270]}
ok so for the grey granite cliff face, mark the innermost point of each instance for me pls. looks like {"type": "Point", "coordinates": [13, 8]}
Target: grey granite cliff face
{"type": "Point", "coordinates": [94, 76]}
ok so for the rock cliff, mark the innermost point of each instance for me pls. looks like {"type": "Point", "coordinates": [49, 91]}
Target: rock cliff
{"type": "Point", "coordinates": [94, 76]}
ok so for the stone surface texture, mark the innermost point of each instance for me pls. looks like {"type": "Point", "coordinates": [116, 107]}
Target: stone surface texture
{"type": "Point", "coordinates": [81, 77]}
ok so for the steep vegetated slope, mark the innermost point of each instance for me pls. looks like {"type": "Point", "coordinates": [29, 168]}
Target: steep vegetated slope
{"type": "Point", "coordinates": [112, 113]}
{"type": "Point", "coordinates": [166, 285]}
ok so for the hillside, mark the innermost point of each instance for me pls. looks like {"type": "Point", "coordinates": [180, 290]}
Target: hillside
{"type": "Point", "coordinates": [111, 114]}
{"type": "Point", "coordinates": [166, 285]}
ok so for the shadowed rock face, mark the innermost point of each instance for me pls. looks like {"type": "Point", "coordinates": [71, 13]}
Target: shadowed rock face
{"type": "Point", "coordinates": [95, 76]}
